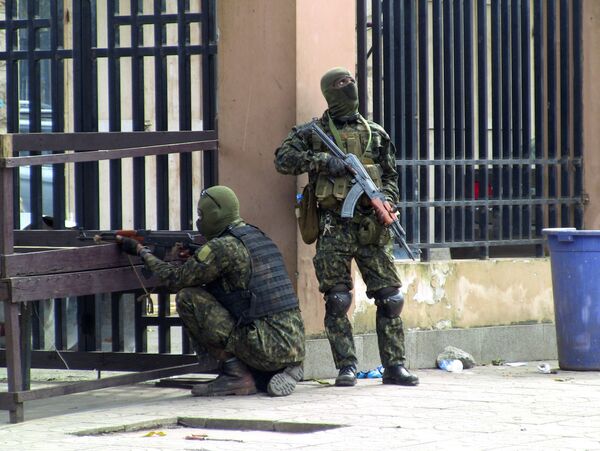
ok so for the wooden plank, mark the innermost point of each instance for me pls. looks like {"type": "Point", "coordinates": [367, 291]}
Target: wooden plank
{"type": "Point", "coordinates": [101, 140]}
{"type": "Point", "coordinates": [112, 361]}
{"type": "Point", "coordinates": [101, 256]}
{"type": "Point", "coordinates": [6, 210]}
{"type": "Point", "coordinates": [49, 286]}
{"type": "Point", "coordinates": [6, 145]}
{"type": "Point", "coordinates": [111, 154]}
{"type": "Point", "coordinates": [49, 238]}
{"type": "Point", "coordinates": [114, 381]}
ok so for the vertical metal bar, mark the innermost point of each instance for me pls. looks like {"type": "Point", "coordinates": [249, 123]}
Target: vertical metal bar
{"type": "Point", "coordinates": [87, 206]}
{"type": "Point", "coordinates": [186, 203]}
{"type": "Point", "coordinates": [423, 125]}
{"type": "Point", "coordinates": [482, 97]}
{"type": "Point", "coordinates": [526, 117]}
{"type": "Point", "coordinates": [141, 333]}
{"type": "Point", "coordinates": [565, 110]}
{"type": "Point", "coordinates": [164, 331]}
{"type": "Point", "coordinates": [411, 146]}
{"type": "Point", "coordinates": [34, 105]}
{"type": "Point", "coordinates": [376, 60]}
{"type": "Point", "coordinates": [161, 119]}
{"type": "Point", "coordinates": [448, 119]}
{"type": "Point", "coordinates": [137, 98]}
{"type": "Point", "coordinates": [497, 94]}
{"type": "Point", "coordinates": [388, 68]}
{"type": "Point", "coordinates": [209, 83]}
{"type": "Point", "coordinates": [578, 110]}
{"type": "Point", "coordinates": [506, 187]}
{"type": "Point", "coordinates": [58, 121]}
{"type": "Point", "coordinates": [469, 137]}
{"type": "Point", "coordinates": [516, 150]}
{"type": "Point", "coordinates": [551, 105]}
{"type": "Point", "coordinates": [60, 323]}
{"type": "Point", "coordinates": [459, 121]}
{"type": "Point", "coordinates": [540, 106]}
{"type": "Point", "coordinates": [400, 97]}
{"type": "Point", "coordinates": [115, 167]}
{"type": "Point", "coordinates": [114, 113]}
{"type": "Point", "coordinates": [361, 47]}
{"type": "Point", "coordinates": [438, 118]}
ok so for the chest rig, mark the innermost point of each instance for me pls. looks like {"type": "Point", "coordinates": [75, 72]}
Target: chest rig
{"type": "Point", "coordinates": [269, 289]}
{"type": "Point", "coordinates": [359, 139]}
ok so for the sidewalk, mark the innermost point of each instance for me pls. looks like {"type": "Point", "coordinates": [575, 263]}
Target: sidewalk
{"type": "Point", "coordinates": [488, 407]}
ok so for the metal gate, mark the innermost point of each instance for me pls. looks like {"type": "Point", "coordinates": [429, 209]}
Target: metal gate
{"type": "Point", "coordinates": [110, 66]}
{"type": "Point", "coordinates": [484, 102]}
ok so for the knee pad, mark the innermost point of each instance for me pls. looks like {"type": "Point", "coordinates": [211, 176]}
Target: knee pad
{"type": "Point", "coordinates": [389, 303]}
{"type": "Point", "coordinates": [337, 303]}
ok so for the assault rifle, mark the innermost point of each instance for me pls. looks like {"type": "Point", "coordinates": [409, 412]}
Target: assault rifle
{"type": "Point", "coordinates": [159, 240]}
{"type": "Point", "coordinates": [363, 184]}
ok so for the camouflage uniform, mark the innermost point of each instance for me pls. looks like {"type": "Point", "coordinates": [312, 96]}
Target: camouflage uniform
{"type": "Point", "coordinates": [362, 237]}
{"type": "Point", "coordinates": [267, 344]}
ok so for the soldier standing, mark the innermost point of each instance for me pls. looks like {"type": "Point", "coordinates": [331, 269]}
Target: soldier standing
{"type": "Point", "coordinates": [236, 301]}
{"type": "Point", "coordinates": [362, 237]}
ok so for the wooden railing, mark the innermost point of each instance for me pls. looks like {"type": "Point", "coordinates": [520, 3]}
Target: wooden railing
{"type": "Point", "coordinates": [58, 265]}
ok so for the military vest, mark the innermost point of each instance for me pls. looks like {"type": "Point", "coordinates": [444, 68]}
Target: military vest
{"type": "Point", "coordinates": [269, 290]}
{"type": "Point", "coordinates": [360, 141]}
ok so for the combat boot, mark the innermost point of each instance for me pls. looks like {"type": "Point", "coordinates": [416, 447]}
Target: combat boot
{"type": "Point", "coordinates": [346, 376]}
{"type": "Point", "coordinates": [399, 375]}
{"type": "Point", "coordinates": [234, 379]}
{"type": "Point", "coordinates": [284, 382]}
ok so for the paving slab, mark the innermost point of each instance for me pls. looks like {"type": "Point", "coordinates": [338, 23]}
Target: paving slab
{"type": "Point", "coordinates": [487, 407]}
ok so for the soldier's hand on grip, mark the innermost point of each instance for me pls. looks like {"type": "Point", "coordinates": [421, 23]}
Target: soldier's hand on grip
{"type": "Point", "coordinates": [128, 245]}
{"type": "Point", "coordinates": [336, 166]}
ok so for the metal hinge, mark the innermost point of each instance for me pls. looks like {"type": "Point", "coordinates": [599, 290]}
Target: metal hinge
{"type": "Point", "coordinates": [585, 198]}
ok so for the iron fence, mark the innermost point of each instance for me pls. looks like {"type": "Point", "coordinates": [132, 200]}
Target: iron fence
{"type": "Point", "coordinates": [109, 66]}
{"type": "Point", "coordinates": [484, 103]}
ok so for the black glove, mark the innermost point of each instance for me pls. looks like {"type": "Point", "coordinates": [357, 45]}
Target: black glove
{"type": "Point", "coordinates": [128, 245]}
{"type": "Point", "coordinates": [336, 167]}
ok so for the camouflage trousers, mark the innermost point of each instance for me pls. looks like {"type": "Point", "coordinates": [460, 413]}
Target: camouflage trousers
{"type": "Point", "coordinates": [267, 344]}
{"type": "Point", "coordinates": [370, 246]}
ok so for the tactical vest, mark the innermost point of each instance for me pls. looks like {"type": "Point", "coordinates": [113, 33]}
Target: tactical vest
{"type": "Point", "coordinates": [269, 290]}
{"type": "Point", "coordinates": [331, 191]}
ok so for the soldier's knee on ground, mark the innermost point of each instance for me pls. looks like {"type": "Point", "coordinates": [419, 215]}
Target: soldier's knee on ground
{"type": "Point", "coordinates": [338, 301]}
{"type": "Point", "coordinates": [389, 302]}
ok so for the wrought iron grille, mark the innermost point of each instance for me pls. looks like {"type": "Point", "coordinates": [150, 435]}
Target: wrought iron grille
{"type": "Point", "coordinates": [110, 65]}
{"type": "Point", "coordinates": [484, 103]}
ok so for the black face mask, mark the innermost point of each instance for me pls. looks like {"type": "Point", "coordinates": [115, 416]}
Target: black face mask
{"type": "Point", "coordinates": [342, 101]}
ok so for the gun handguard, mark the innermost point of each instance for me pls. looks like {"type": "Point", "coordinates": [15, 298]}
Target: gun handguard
{"type": "Point", "coordinates": [365, 185]}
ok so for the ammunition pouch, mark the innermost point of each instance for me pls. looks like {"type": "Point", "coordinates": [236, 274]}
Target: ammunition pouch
{"type": "Point", "coordinates": [306, 213]}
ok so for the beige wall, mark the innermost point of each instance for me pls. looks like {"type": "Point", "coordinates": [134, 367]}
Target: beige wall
{"type": "Point", "coordinates": [271, 58]}
{"type": "Point", "coordinates": [257, 106]}
{"type": "Point", "coordinates": [591, 110]}
{"type": "Point", "coordinates": [319, 48]}
{"type": "Point", "coordinates": [466, 293]}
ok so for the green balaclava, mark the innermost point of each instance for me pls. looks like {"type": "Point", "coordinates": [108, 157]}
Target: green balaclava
{"type": "Point", "coordinates": [342, 102]}
{"type": "Point", "coordinates": [217, 208]}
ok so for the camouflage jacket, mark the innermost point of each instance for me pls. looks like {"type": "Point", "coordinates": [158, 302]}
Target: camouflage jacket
{"type": "Point", "coordinates": [298, 155]}
{"type": "Point", "coordinates": [223, 261]}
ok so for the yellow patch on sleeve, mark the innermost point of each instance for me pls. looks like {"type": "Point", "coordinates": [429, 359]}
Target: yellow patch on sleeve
{"type": "Point", "coordinates": [205, 255]}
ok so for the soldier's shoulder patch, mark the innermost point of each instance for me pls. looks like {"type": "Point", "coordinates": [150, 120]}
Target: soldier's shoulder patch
{"type": "Point", "coordinates": [205, 255]}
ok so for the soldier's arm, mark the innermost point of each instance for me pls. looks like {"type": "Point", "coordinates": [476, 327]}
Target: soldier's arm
{"type": "Point", "coordinates": [295, 156]}
{"type": "Point", "coordinates": [389, 177]}
{"type": "Point", "coordinates": [200, 269]}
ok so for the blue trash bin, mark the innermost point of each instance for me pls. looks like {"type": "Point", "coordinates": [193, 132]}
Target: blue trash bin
{"type": "Point", "coordinates": [575, 263]}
